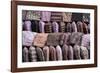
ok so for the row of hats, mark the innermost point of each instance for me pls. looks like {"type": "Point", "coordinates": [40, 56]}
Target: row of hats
{"type": "Point", "coordinates": [50, 27]}
{"type": "Point", "coordinates": [57, 53]}
{"type": "Point", "coordinates": [54, 16]}
{"type": "Point", "coordinates": [41, 39]}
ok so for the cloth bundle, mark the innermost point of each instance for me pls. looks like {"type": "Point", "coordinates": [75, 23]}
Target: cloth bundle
{"type": "Point", "coordinates": [86, 41]}
{"type": "Point", "coordinates": [31, 25]}
{"type": "Point", "coordinates": [62, 27]}
{"type": "Point", "coordinates": [27, 25]}
{"type": "Point", "coordinates": [86, 17]}
{"type": "Point", "coordinates": [35, 26]}
{"type": "Point", "coordinates": [48, 27]}
{"type": "Point", "coordinates": [25, 54]}
{"type": "Point", "coordinates": [32, 54]}
{"type": "Point", "coordinates": [40, 39]}
{"type": "Point", "coordinates": [52, 54]}
{"type": "Point", "coordinates": [56, 16]}
{"type": "Point", "coordinates": [45, 15]}
{"type": "Point", "coordinates": [53, 39]}
{"type": "Point", "coordinates": [40, 54]}
{"type": "Point", "coordinates": [55, 27]}
{"type": "Point", "coordinates": [82, 27]}
{"type": "Point", "coordinates": [41, 27]}
{"type": "Point", "coordinates": [32, 15]}
{"type": "Point", "coordinates": [28, 38]}
{"type": "Point", "coordinates": [77, 52]}
{"type": "Point", "coordinates": [77, 17]}
{"type": "Point", "coordinates": [75, 38]}
{"type": "Point", "coordinates": [65, 38]}
{"type": "Point", "coordinates": [46, 53]}
{"type": "Point", "coordinates": [67, 16]}
{"type": "Point", "coordinates": [24, 12]}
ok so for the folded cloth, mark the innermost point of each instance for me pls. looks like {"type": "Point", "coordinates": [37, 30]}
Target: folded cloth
{"type": "Point", "coordinates": [85, 28]}
{"type": "Point", "coordinates": [80, 26]}
{"type": "Point", "coordinates": [56, 16]}
{"type": "Point", "coordinates": [46, 53]}
{"type": "Point", "coordinates": [68, 27]}
{"type": "Point", "coordinates": [55, 27]}
{"type": "Point", "coordinates": [40, 39]}
{"type": "Point", "coordinates": [74, 27]}
{"type": "Point", "coordinates": [24, 12]}
{"type": "Point", "coordinates": [84, 53]}
{"type": "Point", "coordinates": [41, 26]}
{"type": "Point", "coordinates": [59, 53]}
{"type": "Point", "coordinates": [67, 16]}
{"type": "Point", "coordinates": [76, 50]}
{"type": "Point", "coordinates": [52, 53]}
{"type": "Point", "coordinates": [40, 54]}
{"type": "Point", "coordinates": [45, 15]}
{"type": "Point", "coordinates": [27, 26]}
{"type": "Point", "coordinates": [27, 38]}
{"type": "Point", "coordinates": [32, 54]}
{"type": "Point", "coordinates": [75, 38]}
{"type": "Point", "coordinates": [77, 17]}
{"type": "Point", "coordinates": [67, 38]}
{"type": "Point", "coordinates": [25, 54]}
{"type": "Point", "coordinates": [65, 52]}
{"type": "Point", "coordinates": [35, 26]}
{"type": "Point", "coordinates": [86, 41]}
{"type": "Point", "coordinates": [33, 15]}
{"type": "Point", "coordinates": [86, 17]}
{"type": "Point", "coordinates": [88, 28]}
{"type": "Point", "coordinates": [62, 27]}
{"type": "Point", "coordinates": [64, 39]}
{"type": "Point", "coordinates": [53, 39]}
{"type": "Point", "coordinates": [70, 53]}
{"type": "Point", "coordinates": [48, 27]}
